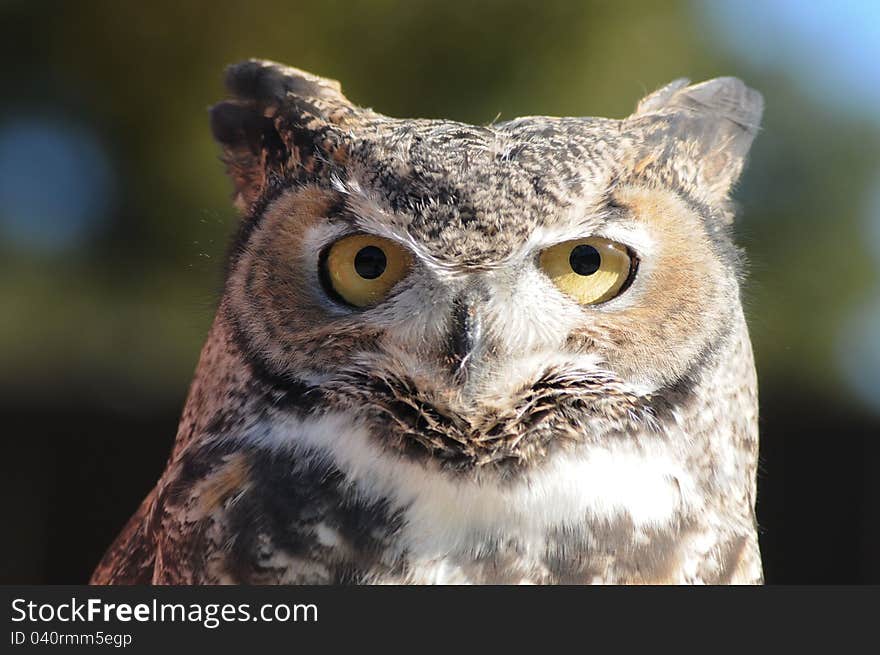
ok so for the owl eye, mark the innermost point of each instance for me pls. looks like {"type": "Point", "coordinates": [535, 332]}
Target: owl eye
{"type": "Point", "coordinates": [361, 269]}
{"type": "Point", "coordinates": [590, 270]}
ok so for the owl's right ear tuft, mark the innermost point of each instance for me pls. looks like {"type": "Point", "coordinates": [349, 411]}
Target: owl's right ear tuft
{"type": "Point", "coordinates": [280, 122]}
{"type": "Point", "coordinates": [272, 85]}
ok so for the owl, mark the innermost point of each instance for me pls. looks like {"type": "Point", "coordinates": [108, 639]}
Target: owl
{"type": "Point", "coordinates": [453, 354]}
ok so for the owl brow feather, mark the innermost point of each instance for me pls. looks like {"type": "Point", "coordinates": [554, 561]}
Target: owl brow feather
{"type": "Point", "coordinates": [363, 207]}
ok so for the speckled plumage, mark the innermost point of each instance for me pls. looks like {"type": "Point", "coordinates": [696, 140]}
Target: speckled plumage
{"type": "Point", "coordinates": [614, 443]}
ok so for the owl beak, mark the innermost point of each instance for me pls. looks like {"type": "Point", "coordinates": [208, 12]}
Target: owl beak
{"type": "Point", "coordinates": [465, 336]}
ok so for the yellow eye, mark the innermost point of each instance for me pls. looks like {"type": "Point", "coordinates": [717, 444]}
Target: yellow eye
{"type": "Point", "coordinates": [363, 268]}
{"type": "Point", "coordinates": [590, 270]}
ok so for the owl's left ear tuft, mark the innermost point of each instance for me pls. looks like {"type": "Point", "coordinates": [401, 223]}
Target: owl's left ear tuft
{"type": "Point", "coordinates": [697, 136]}
{"type": "Point", "coordinates": [661, 97]}
{"type": "Point", "coordinates": [281, 121]}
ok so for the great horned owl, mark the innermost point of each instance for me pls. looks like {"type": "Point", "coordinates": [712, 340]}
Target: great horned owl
{"type": "Point", "coordinates": [447, 353]}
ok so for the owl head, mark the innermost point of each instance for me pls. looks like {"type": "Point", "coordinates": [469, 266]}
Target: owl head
{"type": "Point", "coordinates": [481, 295]}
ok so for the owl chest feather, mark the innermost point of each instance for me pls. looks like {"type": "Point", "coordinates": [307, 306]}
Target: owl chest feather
{"type": "Point", "coordinates": [313, 501]}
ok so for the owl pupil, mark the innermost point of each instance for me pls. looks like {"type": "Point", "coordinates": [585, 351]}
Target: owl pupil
{"type": "Point", "coordinates": [585, 260]}
{"type": "Point", "coordinates": [370, 262]}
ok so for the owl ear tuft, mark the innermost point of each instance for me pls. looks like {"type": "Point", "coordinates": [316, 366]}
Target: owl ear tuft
{"type": "Point", "coordinates": [659, 98]}
{"type": "Point", "coordinates": [281, 121]}
{"type": "Point", "coordinates": [697, 136]}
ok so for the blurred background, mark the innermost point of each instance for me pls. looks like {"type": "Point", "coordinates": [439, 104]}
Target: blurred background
{"type": "Point", "coordinates": [115, 215]}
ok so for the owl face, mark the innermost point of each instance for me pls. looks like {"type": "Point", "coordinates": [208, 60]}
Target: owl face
{"type": "Point", "coordinates": [451, 283]}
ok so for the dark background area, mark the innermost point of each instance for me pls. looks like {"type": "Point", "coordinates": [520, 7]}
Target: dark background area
{"type": "Point", "coordinates": [115, 213]}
